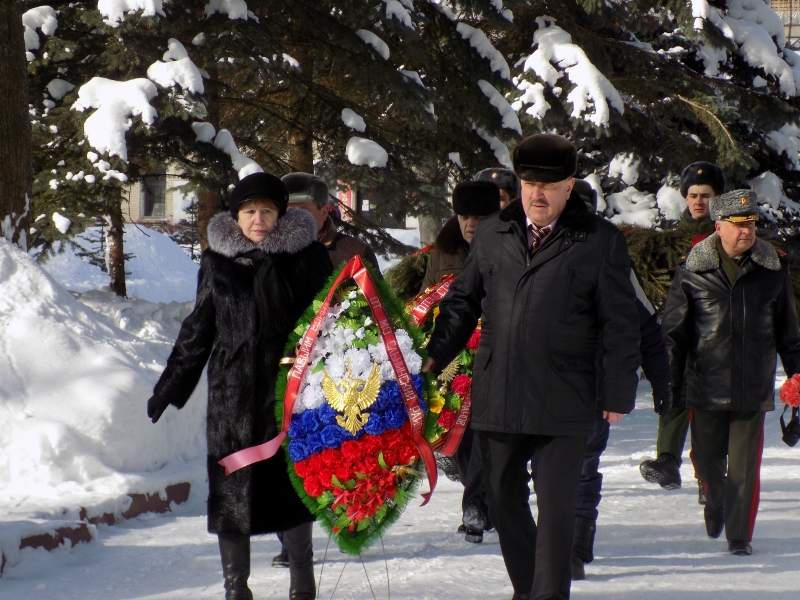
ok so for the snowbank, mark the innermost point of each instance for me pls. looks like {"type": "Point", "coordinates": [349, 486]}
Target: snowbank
{"type": "Point", "coordinates": [75, 380]}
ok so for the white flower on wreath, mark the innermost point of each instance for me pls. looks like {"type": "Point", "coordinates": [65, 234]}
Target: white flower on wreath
{"type": "Point", "coordinates": [335, 366]}
{"type": "Point", "coordinates": [343, 337]}
{"type": "Point", "coordinates": [312, 397]}
{"type": "Point", "coordinates": [360, 363]}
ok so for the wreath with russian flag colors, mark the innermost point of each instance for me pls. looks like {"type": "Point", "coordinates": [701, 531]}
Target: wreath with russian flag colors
{"type": "Point", "coordinates": [353, 408]}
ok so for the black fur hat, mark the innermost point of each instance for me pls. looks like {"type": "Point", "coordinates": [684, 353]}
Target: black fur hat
{"type": "Point", "coordinates": [545, 158]}
{"type": "Point", "coordinates": [703, 173]}
{"type": "Point", "coordinates": [504, 178]}
{"type": "Point", "coordinates": [259, 186]}
{"type": "Point", "coordinates": [479, 198]}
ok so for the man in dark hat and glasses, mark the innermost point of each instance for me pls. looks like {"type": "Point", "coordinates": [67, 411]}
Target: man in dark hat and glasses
{"type": "Point", "coordinates": [551, 283]}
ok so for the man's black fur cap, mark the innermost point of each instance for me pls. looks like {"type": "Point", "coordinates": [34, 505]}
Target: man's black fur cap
{"type": "Point", "coordinates": [478, 198]}
{"type": "Point", "coordinates": [545, 158]}
{"type": "Point", "coordinates": [702, 173]}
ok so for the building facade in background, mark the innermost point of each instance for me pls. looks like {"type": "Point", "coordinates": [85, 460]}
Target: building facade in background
{"type": "Point", "coordinates": [789, 12]}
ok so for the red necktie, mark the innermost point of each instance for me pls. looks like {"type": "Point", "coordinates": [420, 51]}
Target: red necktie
{"type": "Point", "coordinates": [538, 234]}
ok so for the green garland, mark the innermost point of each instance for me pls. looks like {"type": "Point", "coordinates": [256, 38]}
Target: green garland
{"type": "Point", "coordinates": [356, 541]}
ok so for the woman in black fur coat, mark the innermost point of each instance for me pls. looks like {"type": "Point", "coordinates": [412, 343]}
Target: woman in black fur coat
{"type": "Point", "coordinates": [262, 268]}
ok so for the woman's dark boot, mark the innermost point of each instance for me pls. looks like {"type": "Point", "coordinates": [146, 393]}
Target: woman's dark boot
{"type": "Point", "coordinates": [297, 540]}
{"type": "Point", "coordinates": [234, 549]}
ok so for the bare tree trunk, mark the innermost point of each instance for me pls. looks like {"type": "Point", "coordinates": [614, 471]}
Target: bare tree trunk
{"type": "Point", "coordinates": [429, 227]}
{"type": "Point", "coordinates": [15, 127]}
{"type": "Point", "coordinates": [301, 150]}
{"type": "Point", "coordinates": [207, 207]}
{"type": "Point", "coordinates": [115, 251]}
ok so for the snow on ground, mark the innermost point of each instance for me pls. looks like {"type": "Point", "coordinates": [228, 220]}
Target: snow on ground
{"type": "Point", "coordinates": [651, 544]}
{"type": "Point", "coordinates": [159, 270]}
{"type": "Point", "coordinates": [75, 373]}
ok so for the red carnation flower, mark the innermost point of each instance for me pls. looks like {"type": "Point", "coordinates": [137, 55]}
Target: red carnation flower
{"type": "Point", "coordinates": [790, 391]}
{"type": "Point", "coordinates": [447, 418]}
{"type": "Point", "coordinates": [461, 385]}
{"type": "Point", "coordinates": [301, 468]}
{"type": "Point", "coordinates": [474, 340]}
{"type": "Point", "coordinates": [313, 487]}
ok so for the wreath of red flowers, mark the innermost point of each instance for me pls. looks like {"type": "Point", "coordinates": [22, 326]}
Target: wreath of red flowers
{"type": "Point", "coordinates": [790, 391]}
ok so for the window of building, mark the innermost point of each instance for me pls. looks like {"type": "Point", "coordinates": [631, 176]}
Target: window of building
{"type": "Point", "coordinates": [154, 196]}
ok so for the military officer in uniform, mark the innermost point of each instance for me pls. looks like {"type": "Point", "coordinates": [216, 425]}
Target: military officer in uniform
{"type": "Point", "coordinates": [729, 311]}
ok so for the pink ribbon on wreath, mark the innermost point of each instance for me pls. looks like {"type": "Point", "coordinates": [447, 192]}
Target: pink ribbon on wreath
{"type": "Point", "coordinates": [354, 269]}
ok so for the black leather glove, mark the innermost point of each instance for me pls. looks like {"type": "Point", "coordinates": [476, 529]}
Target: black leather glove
{"type": "Point", "coordinates": [155, 408]}
{"type": "Point", "coordinates": [662, 400]}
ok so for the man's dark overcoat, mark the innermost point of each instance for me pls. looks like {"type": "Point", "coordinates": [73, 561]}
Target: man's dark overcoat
{"type": "Point", "coordinates": [243, 355]}
{"type": "Point", "coordinates": [727, 335]}
{"type": "Point", "coordinates": [544, 320]}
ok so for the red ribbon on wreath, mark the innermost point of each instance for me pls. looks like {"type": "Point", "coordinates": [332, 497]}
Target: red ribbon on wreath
{"type": "Point", "coordinates": [424, 302]}
{"type": "Point", "coordinates": [354, 269]}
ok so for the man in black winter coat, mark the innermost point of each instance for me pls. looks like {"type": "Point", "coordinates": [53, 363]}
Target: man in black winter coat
{"type": "Point", "coordinates": [729, 310]}
{"type": "Point", "coordinates": [550, 281]}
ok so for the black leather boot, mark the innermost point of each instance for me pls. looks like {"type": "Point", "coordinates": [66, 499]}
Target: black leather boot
{"type": "Point", "coordinates": [234, 550]}
{"type": "Point", "coordinates": [582, 546]}
{"type": "Point", "coordinates": [297, 540]}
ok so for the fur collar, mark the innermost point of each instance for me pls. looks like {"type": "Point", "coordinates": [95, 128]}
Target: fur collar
{"type": "Point", "coordinates": [704, 256]}
{"type": "Point", "coordinates": [450, 240]}
{"type": "Point", "coordinates": [293, 231]}
{"type": "Point", "coordinates": [575, 215]}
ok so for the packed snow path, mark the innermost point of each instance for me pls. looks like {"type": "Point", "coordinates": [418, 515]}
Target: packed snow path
{"type": "Point", "coordinates": [651, 544]}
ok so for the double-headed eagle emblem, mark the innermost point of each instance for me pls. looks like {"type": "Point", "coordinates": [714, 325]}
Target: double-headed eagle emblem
{"type": "Point", "coordinates": [350, 396]}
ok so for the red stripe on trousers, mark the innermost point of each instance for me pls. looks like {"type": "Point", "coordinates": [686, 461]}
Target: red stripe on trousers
{"type": "Point", "coordinates": [757, 487]}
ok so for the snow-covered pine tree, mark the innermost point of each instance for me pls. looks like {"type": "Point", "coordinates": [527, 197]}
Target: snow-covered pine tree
{"type": "Point", "coordinates": [397, 97]}
{"type": "Point", "coordinates": [425, 100]}
{"type": "Point", "coordinates": [15, 171]}
{"type": "Point", "coordinates": [645, 88]}
{"type": "Point", "coordinates": [121, 96]}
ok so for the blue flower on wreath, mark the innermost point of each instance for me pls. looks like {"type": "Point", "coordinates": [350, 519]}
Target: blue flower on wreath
{"type": "Point", "coordinates": [314, 443]}
{"type": "Point", "coordinates": [376, 424]}
{"type": "Point", "coordinates": [333, 436]}
{"type": "Point", "coordinates": [298, 450]}
{"type": "Point", "coordinates": [327, 415]}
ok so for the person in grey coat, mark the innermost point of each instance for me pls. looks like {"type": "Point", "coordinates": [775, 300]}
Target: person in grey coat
{"type": "Point", "coordinates": [551, 283]}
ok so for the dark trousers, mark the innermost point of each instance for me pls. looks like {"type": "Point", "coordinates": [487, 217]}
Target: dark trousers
{"type": "Point", "coordinates": [726, 452]}
{"type": "Point", "coordinates": [536, 557]}
{"type": "Point", "coordinates": [591, 482]}
{"type": "Point", "coordinates": [469, 459]}
{"type": "Point", "coordinates": [672, 430]}
{"type": "Point", "coordinates": [591, 478]}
